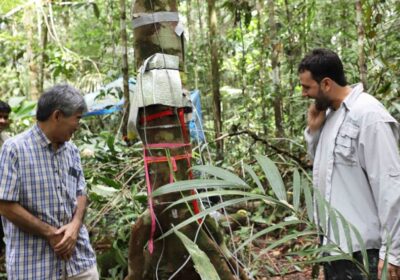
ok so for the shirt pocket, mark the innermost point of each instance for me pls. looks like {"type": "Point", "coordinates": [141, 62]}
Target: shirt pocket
{"type": "Point", "coordinates": [345, 145]}
{"type": "Point", "coordinates": [71, 179]}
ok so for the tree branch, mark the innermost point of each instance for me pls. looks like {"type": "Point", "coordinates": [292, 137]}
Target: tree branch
{"type": "Point", "coordinates": [256, 138]}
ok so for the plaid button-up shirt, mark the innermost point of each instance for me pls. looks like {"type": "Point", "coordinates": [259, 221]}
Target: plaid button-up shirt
{"type": "Point", "coordinates": [45, 183]}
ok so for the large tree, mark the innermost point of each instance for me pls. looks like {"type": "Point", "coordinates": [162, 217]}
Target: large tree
{"type": "Point", "coordinates": [169, 142]}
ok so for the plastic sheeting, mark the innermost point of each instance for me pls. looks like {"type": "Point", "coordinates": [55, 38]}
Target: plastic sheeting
{"type": "Point", "coordinates": [106, 100]}
{"type": "Point", "coordinates": [158, 82]}
{"type": "Point", "coordinates": [196, 122]}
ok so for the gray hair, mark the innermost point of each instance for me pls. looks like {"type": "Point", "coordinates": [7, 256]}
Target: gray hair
{"type": "Point", "coordinates": [64, 98]}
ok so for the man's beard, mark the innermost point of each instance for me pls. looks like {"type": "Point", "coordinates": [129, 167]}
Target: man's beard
{"type": "Point", "coordinates": [322, 102]}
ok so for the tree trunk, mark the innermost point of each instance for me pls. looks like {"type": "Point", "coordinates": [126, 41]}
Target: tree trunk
{"type": "Point", "coordinates": [125, 69]}
{"type": "Point", "coordinates": [169, 255]}
{"type": "Point", "coordinates": [30, 55]}
{"type": "Point", "coordinates": [44, 41]}
{"type": "Point", "coordinates": [192, 47]}
{"type": "Point", "coordinates": [361, 40]}
{"type": "Point", "coordinates": [276, 91]}
{"type": "Point", "coordinates": [263, 46]}
{"type": "Point", "coordinates": [215, 78]}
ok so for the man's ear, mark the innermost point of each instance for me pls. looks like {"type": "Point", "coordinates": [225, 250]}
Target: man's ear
{"type": "Point", "coordinates": [326, 84]}
{"type": "Point", "coordinates": [56, 115]}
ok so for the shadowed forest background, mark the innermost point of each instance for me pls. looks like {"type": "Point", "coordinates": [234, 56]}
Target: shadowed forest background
{"type": "Point", "coordinates": [242, 55]}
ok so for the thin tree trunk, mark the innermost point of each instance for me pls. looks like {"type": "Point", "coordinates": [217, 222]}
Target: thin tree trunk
{"type": "Point", "coordinates": [44, 41]}
{"type": "Point", "coordinates": [215, 77]}
{"type": "Point", "coordinates": [276, 49]}
{"type": "Point", "coordinates": [125, 69]}
{"type": "Point", "coordinates": [30, 55]}
{"type": "Point", "coordinates": [344, 41]}
{"type": "Point", "coordinates": [263, 47]}
{"type": "Point", "coordinates": [361, 41]}
{"type": "Point", "coordinates": [192, 46]}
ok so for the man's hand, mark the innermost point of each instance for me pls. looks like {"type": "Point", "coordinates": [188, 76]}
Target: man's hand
{"type": "Point", "coordinates": [54, 239]}
{"type": "Point", "coordinates": [393, 271]}
{"type": "Point", "coordinates": [69, 232]}
{"type": "Point", "coordinates": [315, 118]}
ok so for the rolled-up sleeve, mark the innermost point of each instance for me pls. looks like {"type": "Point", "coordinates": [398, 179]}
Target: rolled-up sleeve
{"type": "Point", "coordinates": [81, 187]}
{"type": "Point", "coordinates": [9, 180]}
{"type": "Point", "coordinates": [380, 159]}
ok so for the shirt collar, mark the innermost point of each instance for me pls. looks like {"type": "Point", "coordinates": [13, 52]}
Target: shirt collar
{"type": "Point", "coordinates": [42, 139]}
{"type": "Point", "coordinates": [356, 90]}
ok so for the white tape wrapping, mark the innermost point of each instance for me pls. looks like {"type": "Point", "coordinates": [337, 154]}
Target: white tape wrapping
{"type": "Point", "coordinates": [158, 82]}
{"type": "Point", "coordinates": [146, 18]}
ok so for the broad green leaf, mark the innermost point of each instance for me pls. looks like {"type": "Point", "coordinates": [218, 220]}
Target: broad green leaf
{"type": "Point", "coordinates": [119, 255]}
{"type": "Point", "coordinates": [285, 239]}
{"type": "Point", "coordinates": [296, 190]}
{"type": "Point", "coordinates": [266, 199]}
{"type": "Point", "coordinates": [362, 248]}
{"type": "Point", "coordinates": [328, 259]}
{"type": "Point", "coordinates": [346, 229]}
{"type": "Point", "coordinates": [328, 248]}
{"type": "Point", "coordinates": [308, 199]}
{"type": "Point", "coordinates": [194, 184]}
{"type": "Point", "coordinates": [266, 231]}
{"type": "Point", "coordinates": [109, 182]}
{"type": "Point", "coordinates": [111, 143]}
{"type": "Point", "coordinates": [25, 110]}
{"type": "Point", "coordinates": [16, 101]}
{"type": "Point", "coordinates": [205, 212]}
{"type": "Point", "coordinates": [255, 177]}
{"type": "Point", "coordinates": [397, 106]}
{"type": "Point", "coordinates": [321, 210]}
{"type": "Point", "coordinates": [220, 173]}
{"type": "Point", "coordinates": [103, 190]}
{"type": "Point", "coordinates": [334, 224]}
{"type": "Point", "coordinates": [273, 176]}
{"type": "Point", "coordinates": [201, 262]}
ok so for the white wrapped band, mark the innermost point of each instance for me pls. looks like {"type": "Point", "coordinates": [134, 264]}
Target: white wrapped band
{"type": "Point", "coordinates": [145, 18]}
{"type": "Point", "coordinates": [158, 82]}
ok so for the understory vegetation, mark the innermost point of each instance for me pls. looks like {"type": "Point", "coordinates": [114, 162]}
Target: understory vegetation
{"type": "Point", "coordinates": [259, 190]}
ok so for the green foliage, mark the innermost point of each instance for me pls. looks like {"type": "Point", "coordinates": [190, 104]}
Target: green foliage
{"type": "Point", "coordinates": [293, 220]}
{"type": "Point", "coordinates": [83, 48]}
{"type": "Point", "coordinates": [201, 262]}
{"type": "Point", "coordinates": [114, 176]}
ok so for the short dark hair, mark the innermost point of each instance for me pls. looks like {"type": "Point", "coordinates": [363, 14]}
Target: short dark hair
{"type": "Point", "coordinates": [323, 63]}
{"type": "Point", "coordinates": [4, 107]}
{"type": "Point", "coordinates": [61, 97]}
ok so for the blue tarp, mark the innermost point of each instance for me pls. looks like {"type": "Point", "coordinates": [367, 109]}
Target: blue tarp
{"type": "Point", "coordinates": [106, 100]}
{"type": "Point", "coordinates": [196, 123]}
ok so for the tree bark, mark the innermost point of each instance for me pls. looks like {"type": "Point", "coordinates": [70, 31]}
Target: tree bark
{"type": "Point", "coordinates": [124, 69]}
{"type": "Point", "coordinates": [215, 77]}
{"type": "Point", "coordinates": [361, 41]}
{"type": "Point", "coordinates": [263, 46]}
{"type": "Point", "coordinates": [30, 55]}
{"type": "Point", "coordinates": [276, 49]}
{"type": "Point", "coordinates": [44, 41]}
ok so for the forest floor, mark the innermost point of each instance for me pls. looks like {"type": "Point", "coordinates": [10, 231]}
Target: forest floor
{"type": "Point", "coordinates": [273, 265]}
{"type": "Point", "coordinates": [277, 264]}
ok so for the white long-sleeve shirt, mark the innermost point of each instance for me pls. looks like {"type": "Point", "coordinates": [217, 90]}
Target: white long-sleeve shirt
{"type": "Point", "coordinates": [362, 171]}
